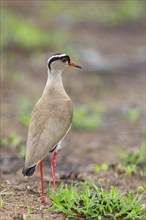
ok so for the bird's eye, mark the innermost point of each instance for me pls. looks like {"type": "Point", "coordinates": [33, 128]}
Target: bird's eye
{"type": "Point", "coordinates": [64, 60]}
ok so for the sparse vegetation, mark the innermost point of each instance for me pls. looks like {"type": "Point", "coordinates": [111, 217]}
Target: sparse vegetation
{"type": "Point", "coordinates": [1, 202]}
{"type": "Point", "coordinates": [88, 117]}
{"type": "Point", "coordinates": [105, 33]}
{"type": "Point", "coordinates": [93, 202]}
{"type": "Point", "coordinates": [24, 111]}
{"type": "Point", "coordinates": [102, 167]}
{"type": "Point", "coordinates": [133, 162]}
{"type": "Point", "coordinates": [30, 37]}
{"type": "Point", "coordinates": [141, 189]}
{"type": "Point", "coordinates": [2, 195]}
{"type": "Point", "coordinates": [28, 214]}
{"type": "Point", "coordinates": [13, 141]}
{"type": "Point", "coordinates": [20, 33]}
{"type": "Point", "coordinates": [111, 16]}
{"type": "Point", "coordinates": [15, 76]}
{"type": "Point", "coordinates": [132, 116]}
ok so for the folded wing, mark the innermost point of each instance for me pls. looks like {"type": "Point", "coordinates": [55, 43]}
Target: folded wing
{"type": "Point", "coordinates": [49, 124]}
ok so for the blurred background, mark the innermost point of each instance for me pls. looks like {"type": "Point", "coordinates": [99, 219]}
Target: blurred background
{"type": "Point", "coordinates": [107, 39]}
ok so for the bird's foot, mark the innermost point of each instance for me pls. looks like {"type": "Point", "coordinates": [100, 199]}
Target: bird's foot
{"type": "Point", "coordinates": [44, 202]}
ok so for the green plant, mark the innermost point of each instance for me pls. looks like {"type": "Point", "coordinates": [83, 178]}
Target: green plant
{"type": "Point", "coordinates": [2, 195]}
{"type": "Point", "coordinates": [28, 214]}
{"type": "Point", "coordinates": [120, 13]}
{"type": "Point", "coordinates": [133, 158]}
{"type": "Point", "coordinates": [1, 202]}
{"type": "Point", "coordinates": [102, 167]}
{"type": "Point", "coordinates": [141, 189]}
{"type": "Point", "coordinates": [124, 12]}
{"type": "Point", "coordinates": [129, 169]}
{"type": "Point", "coordinates": [22, 151]}
{"type": "Point", "coordinates": [133, 162]}
{"type": "Point", "coordinates": [24, 110]}
{"type": "Point", "coordinates": [86, 200]}
{"type": "Point", "coordinates": [88, 117]}
{"type": "Point", "coordinates": [13, 141]}
{"type": "Point", "coordinates": [132, 116]}
{"type": "Point", "coordinates": [22, 33]}
{"type": "Point", "coordinates": [28, 36]}
{"type": "Point", "coordinates": [15, 75]}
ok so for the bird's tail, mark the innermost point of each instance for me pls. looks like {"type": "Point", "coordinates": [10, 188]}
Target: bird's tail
{"type": "Point", "coordinates": [28, 171]}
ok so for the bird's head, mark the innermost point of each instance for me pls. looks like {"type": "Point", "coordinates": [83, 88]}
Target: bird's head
{"type": "Point", "coordinates": [60, 62]}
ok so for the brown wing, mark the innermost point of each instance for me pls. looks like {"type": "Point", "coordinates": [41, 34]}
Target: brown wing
{"type": "Point", "coordinates": [49, 123]}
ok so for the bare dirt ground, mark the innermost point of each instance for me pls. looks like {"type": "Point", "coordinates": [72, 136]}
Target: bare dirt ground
{"type": "Point", "coordinates": [117, 88]}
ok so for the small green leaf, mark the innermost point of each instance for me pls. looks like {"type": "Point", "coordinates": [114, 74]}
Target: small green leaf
{"type": "Point", "coordinates": [104, 167]}
{"type": "Point", "coordinates": [97, 168]}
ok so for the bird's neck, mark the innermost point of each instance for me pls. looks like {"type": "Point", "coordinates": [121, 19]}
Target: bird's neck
{"type": "Point", "coordinates": [55, 77]}
{"type": "Point", "coordinates": [54, 82]}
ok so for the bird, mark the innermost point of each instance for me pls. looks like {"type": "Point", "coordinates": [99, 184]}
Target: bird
{"type": "Point", "coordinates": [50, 121]}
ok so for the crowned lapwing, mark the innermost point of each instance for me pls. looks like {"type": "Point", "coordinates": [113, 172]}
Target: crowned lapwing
{"type": "Point", "coordinates": [50, 121]}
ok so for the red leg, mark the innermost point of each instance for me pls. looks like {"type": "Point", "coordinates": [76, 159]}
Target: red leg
{"type": "Point", "coordinates": [42, 182]}
{"type": "Point", "coordinates": [53, 169]}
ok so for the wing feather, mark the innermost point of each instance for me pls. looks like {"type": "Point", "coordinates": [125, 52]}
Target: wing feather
{"type": "Point", "coordinates": [49, 123]}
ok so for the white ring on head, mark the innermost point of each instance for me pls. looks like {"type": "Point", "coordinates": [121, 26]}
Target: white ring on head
{"type": "Point", "coordinates": [58, 55]}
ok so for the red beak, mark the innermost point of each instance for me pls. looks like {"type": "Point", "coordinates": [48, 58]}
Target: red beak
{"type": "Point", "coordinates": [75, 65]}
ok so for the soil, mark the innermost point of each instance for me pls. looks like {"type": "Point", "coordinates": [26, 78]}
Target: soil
{"type": "Point", "coordinates": [118, 87]}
